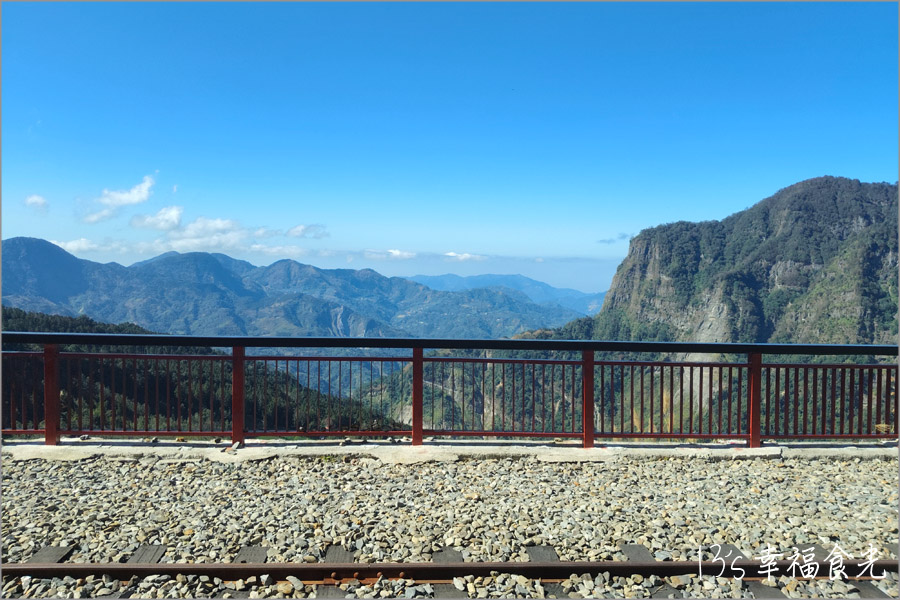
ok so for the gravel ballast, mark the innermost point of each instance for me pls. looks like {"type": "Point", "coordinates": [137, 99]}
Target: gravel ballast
{"type": "Point", "coordinates": [489, 510]}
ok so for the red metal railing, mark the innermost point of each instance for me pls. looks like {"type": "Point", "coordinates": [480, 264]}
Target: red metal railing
{"type": "Point", "coordinates": [565, 395]}
{"type": "Point", "coordinates": [828, 401]}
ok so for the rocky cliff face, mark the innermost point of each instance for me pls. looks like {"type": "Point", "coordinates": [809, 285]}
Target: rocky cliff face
{"type": "Point", "coordinates": [815, 263]}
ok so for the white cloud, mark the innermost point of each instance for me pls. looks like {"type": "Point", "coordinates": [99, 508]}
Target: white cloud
{"type": "Point", "coordinates": [166, 219]}
{"type": "Point", "coordinates": [175, 188]}
{"type": "Point", "coordinates": [279, 250]}
{"type": "Point", "coordinates": [113, 200]}
{"type": "Point", "coordinates": [38, 202]}
{"type": "Point", "coordinates": [204, 234]}
{"type": "Point", "coordinates": [203, 226]}
{"type": "Point", "coordinates": [308, 231]}
{"type": "Point", "coordinates": [100, 215]}
{"type": "Point", "coordinates": [86, 245]}
{"type": "Point", "coordinates": [139, 193]}
{"type": "Point", "coordinates": [619, 238]}
{"type": "Point", "coordinates": [79, 245]}
{"type": "Point", "coordinates": [463, 256]}
{"type": "Point", "coordinates": [265, 232]}
{"type": "Point", "coordinates": [388, 255]}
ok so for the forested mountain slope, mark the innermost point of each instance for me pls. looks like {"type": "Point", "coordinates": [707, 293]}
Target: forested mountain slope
{"type": "Point", "coordinates": [814, 263]}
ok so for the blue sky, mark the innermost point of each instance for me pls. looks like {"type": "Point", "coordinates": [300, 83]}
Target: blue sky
{"type": "Point", "coordinates": [530, 138]}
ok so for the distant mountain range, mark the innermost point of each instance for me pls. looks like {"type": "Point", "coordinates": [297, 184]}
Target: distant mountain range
{"type": "Point", "coordinates": [537, 291]}
{"type": "Point", "coordinates": [214, 294]}
{"type": "Point", "coordinates": [815, 263]}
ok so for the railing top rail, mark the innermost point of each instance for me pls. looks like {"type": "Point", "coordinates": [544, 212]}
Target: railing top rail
{"type": "Point", "coordinates": [104, 339]}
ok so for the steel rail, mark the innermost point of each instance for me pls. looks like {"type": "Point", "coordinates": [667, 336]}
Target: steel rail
{"type": "Point", "coordinates": [104, 339]}
{"type": "Point", "coordinates": [319, 572]}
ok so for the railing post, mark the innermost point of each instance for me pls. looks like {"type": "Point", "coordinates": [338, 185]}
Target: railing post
{"type": "Point", "coordinates": [237, 394]}
{"type": "Point", "coordinates": [754, 383]}
{"type": "Point", "coordinates": [51, 394]}
{"type": "Point", "coordinates": [587, 395]}
{"type": "Point", "coordinates": [418, 375]}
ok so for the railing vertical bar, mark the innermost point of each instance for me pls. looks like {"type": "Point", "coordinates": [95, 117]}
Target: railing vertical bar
{"type": "Point", "coordinates": [700, 400]}
{"type": "Point", "coordinates": [190, 395]}
{"type": "Point", "coordinates": [443, 399]}
{"type": "Point", "coordinates": [100, 382]}
{"type": "Point", "coordinates": [691, 400]}
{"type": "Point", "coordinates": [710, 409]}
{"type": "Point", "coordinates": [602, 397]}
{"type": "Point", "coordinates": [168, 395]}
{"type": "Point", "coordinates": [181, 382]}
{"type": "Point", "coordinates": [36, 381]}
{"type": "Point", "coordinates": [503, 396]}
{"type": "Point", "coordinates": [847, 392]}
{"type": "Point", "coordinates": [879, 401]}
{"type": "Point", "coordinates": [662, 398]}
{"type": "Point", "coordinates": [562, 398]}
{"type": "Point", "coordinates": [861, 400]}
{"type": "Point", "coordinates": [493, 397]}
{"type": "Point", "coordinates": [340, 396]}
{"type": "Point", "coordinates": [254, 397]}
{"type": "Point", "coordinates": [797, 382]}
{"type": "Point", "coordinates": [869, 429]}
{"type": "Point", "coordinates": [68, 387]}
{"type": "Point", "coordinates": [453, 398]}
{"type": "Point", "coordinates": [641, 414]}
{"type": "Point", "coordinates": [754, 382]}
{"type": "Point", "coordinates": [135, 369]}
{"type": "Point", "coordinates": [587, 391]}
{"type": "Point", "coordinates": [805, 398]}
{"type": "Point", "coordinates": [238, 394]}
{"type": "Point", "coordinates": [81, 394]}
{"type": "Point", "coordinates": [892, 391]}
{"type": "Point", "coordinates": [146, 363]}
{"type": "Point", "coordinates": [533, 396]}
{"type": "Point", "coordinates": [318, 396]}
{"type": "Point", "coordinates": [483, 397]}
{"type": "Point", "coordinates": [652, 387]}
{"type": "Point", "coordinates": [15, 399]}
{"type": "Point", "coordinates": [112, 390]}
{"type": "Point", "coordinates": [222, 395]}
{"type": "Point", "coordinates": [462, 396]}
{"type": "Point", "coordinates": [433, 402]}
{"type": "Point", "coordinates": [775, 407]}
{"type": "Point", "coordinates": [359, 397]}
{"type": "Point", "coordinates": [544, 399]}
{"type": "Point", "coordinates": [631, 398]}
{"type": "Point", "coordinates": [833, 378]}
{"type": "Point", "coordinates": [719, 395]}
{"type": "Point", "coordinates": [740, 396]}
{"type": "Point", "coordinates": [329, 399]}
{"type": "Point", "coordinates": [522, 387]}
{"type": "Point", "coordinates": [287, 394]}
{"type": "Point", "coordinates": [418, 376]}
{"type": "Point", "coordinates": [730, 427]}
{"type": "Point", "coordinates": [814, 402]}
{"type": "Point", "coordinates": [621, 403]}
{"type": "Point", "coordinates": [51, 394]}
{"type": "Point", "coordinates": [553, 398]}
{"type": "Point", "coordinates": [372, 411]}
{"type": "Point", "coordinates": [381, 396]}
{"type": "Point", "coordinates": [672, 400]}
{"type": "Point", "coordinates": [572, 396]}
{"type": "Point", "coordinates": [822, 375]}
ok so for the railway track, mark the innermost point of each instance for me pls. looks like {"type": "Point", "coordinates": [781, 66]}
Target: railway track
{"type": "Point", "coordinates": [447, 576]}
